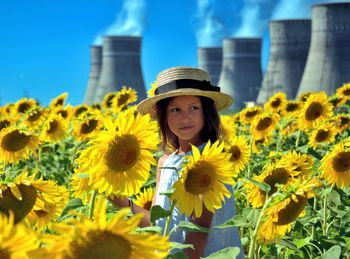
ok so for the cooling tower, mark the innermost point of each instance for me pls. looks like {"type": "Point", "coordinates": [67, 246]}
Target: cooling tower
{"type": "Point", "coordinates": [241, 73]}
{"type": "Point", "coordinates": [328, 62]}
{"type": "Point", "coordinates": [121, 66]}
{"type": "Point", "coordinates": [210, 60]}
{"type": "Point", "coordinates": [289, 47]}
{"type": "Point", "coordinates": [94, 74]}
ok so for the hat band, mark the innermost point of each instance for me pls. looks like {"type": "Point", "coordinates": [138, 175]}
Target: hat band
{"type": "Point", "coordinates": [186, 83]}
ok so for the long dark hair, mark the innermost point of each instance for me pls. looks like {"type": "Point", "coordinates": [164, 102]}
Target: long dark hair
{"type": "Point", "coordinates": [210, 131]}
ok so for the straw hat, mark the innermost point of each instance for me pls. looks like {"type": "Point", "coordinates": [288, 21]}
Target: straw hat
{"type": "Point", "coordinates": [177, 81]}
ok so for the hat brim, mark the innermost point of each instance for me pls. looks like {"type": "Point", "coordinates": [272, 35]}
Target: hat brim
{"type": "Point", "coordinates": [221, 100]}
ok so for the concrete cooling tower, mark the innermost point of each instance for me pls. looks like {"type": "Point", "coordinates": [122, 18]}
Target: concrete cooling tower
{"type": "Point", "coordinates": [94, 74]}
{"type": "Point", "coordinates": [289, 47]}
{"type": "Point", "coordinates": [241, 74]}
{"type": "Point", "coordinates": [210, 60]}
{"type": "Point", "coordinates": [121, 66]}
{"type": "Point", "coordinates": [328, 62]}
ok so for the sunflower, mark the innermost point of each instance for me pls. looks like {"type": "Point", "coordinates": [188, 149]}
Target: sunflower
{"type": "Point", "coordinates": [23, 105]}
{"type": "Point", "coordinates": [123, 98]}
{"type": "Point", "coordinates": [276, 103]}
{"type": "Point", "coordinates": [264, 124]}
{"type": "Point", "coordinates": [274, 173]}
{"type": "Point", "coordinates": [282, 212]}
{"type": "Point", "coordinates": [55, 129]}
{"type": "Point", "coordinates": [304, 96]}
{"type": "Point", "coordinates": [144, 199]}
{"type": "Point", "coordinates": [108, 100]}
{"type": "Point", "coordinates": [5, 122]}
{"type": "Point", "coordinates": [16, 241]}
{"type": "Point", "coordinates": [316, 109]}
{"type": "Point", "coordinates": [50, 202]}
{"type": "Point", "coordinates": [151, 91]}
{"type": "Point", "coordinates": [238, 148]}
{"type": "Point", "coordinates": [119, 161]}
{"type": "Point", "coordinates": [289, 127]}
{"type": "Point", "coordinates": [203, 180]}
{"type": "Point", "coordinates": [323, 133]}
{"type": "Point", "coordinates": [302, 163]}
{"type": "Point", "coordinates": [337, 101]}
{"type": "Point", "coordinates": [292, 108]}
{"type": "Point", "coordinates": [342, 122]}
{"type": "Point", "coordinates": [80, 187]}
{"type": "Point", "coordinates": [35, 117]}
{"type": "Point", "coordinates": [228, 127]}
{"type": "Point", "coordinates": [344, 91]}
{"type": "Point", "coordinates": [86, 128]}
{"type": "Point", "coordinates": [16, 144]}
{"type": "Point", "coordinates": [335, 166]}
{"type": "Point", "coordinates": [58, 102]}
{"type": "Point", "coordinates": [258, 143]}
{"type": "Point", "coordinates": [80, 110]}
{"type": "Point", "coordinates": [66, 113]}
{"type": "Point", "coordinates": [99, 238]}
{"type": "Point", "coordinates": [247, 115]}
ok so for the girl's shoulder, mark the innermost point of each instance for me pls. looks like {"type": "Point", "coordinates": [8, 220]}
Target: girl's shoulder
{"type": "Point", "coordinates": [162, 159]}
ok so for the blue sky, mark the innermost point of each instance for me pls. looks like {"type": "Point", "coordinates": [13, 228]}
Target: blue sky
{"type": "Point", "coordinates": [45, 45]}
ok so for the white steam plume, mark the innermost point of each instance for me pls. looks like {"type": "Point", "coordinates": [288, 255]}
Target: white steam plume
{"type": "Point", "coordinates": [130, 21]}
{"type": "Point", "coordinates": [213, 21]}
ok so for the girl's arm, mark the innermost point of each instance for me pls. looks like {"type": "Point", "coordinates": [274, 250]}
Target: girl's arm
{"type": "Point", "coordinates": [123, 202]}
{"type": "Point", "coordinates": [198, 239]}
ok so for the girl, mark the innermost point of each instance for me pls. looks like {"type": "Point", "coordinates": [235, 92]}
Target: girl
{"type": "Point", "coordinates": [186, 106]}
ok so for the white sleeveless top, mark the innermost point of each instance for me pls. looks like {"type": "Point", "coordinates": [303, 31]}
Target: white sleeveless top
{"type": "Point", "coordinates": [218, 238]}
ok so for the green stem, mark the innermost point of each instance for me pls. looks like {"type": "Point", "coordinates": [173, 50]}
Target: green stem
{"type": "Point", "coordinates": [313, 229]}
{"type": "Point", "coordinates": [325, 200]}
{"type": "Point", "coordinates": [298, 139]}
{"type": "Point", "coordinates": [254, 236]}
{"type": "Point", "coordinates": [168, 219]}
{"type": "Point", "coordinates": [92, 203]}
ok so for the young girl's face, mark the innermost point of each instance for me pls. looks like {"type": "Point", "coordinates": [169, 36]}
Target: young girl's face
{"type": "Point", "coordinates": [186, 119]}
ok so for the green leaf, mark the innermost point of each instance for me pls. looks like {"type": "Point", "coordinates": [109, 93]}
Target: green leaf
{"type": "Point", "coordinates": [178, 255]}
{"type": "Point", "coordinates": [158, 212]}
{"type": "Point", "coordinates": [331, 253]}
{"type": "Point", "coordinates": [152, 229]}
{"type": "Point", "coordinates": [71, 205]}
{"type": "Point", "coordinates": [312, 152]}
{"type": "Point", "coordinates": [302, 242]}
{"type": "Point", "coordinates": [262, 186]}
{"type": "Point", "coordinates": [168, 193]}
{"type": "Point", "coordinates": [229, 252]}
{"type": "Point", "coordinates": [288, 244]}
{"type": "Point", "coordinates": [237, 221]}
{"type": "Point", "coordinates": [181, 246]}
{"type": "Point", "coordinates": [190, 227]}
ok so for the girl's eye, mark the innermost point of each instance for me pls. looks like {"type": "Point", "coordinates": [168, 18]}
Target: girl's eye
{"type": "Point", "coordinates": [175, 109]}
{"type": "Point", "coordinates": [194, 108]}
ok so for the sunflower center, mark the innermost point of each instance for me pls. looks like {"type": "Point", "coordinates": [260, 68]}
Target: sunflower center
{"type": "Point", "coordinates": [251, 114]}
{"type": "Point", "coordinates": [344, 121]}
{"type": "Point", "coordinates": [322, 135]}
{"type": "Point", "coordinates": [291, 212]}
{"type": "Point", "coordinates": [276, 103]}
{"type": "Point", "coordinates": [63, 113]}
{"type": "Point", "coordinates": [341, 162]}
{"type": "Point", "coordinates": [123, 153]}
{"type": "Point", "coordinates": [109, 100]}
{"type": "Point", "coordinates": [15, 141]}
{"type": "Point", "coordinates": [235, 153]}
{"type": "Point", "coordinates": [264, 124]}
{"type": "Point", "coordinates": [123, 98]}
{"type": "Point", "coordinates": [4, 254]}
{"type": "Point", "coordinates": [88, 126]}
{"type": "Point", "coordinates": [101, 244]}
{"type": "Point", "coordinates": [53, 126]}
{"type": "Point", "coordinates": [35, 115]}
{"type": "Point", "coordinates": [41, 213]}
{"type": "Point", "coordinates": [80, 111]}
{"type": "Point", "coordinates": [346, 92]}
{"type": "Point", "coordinates": [278, 175]}
{"type": "Point", "coordinates": [200, 178]}
{"type": "Point", "coordinates": [147, 205]}
{"type": "Point", "coordinates": [291, 107]}
{"type": "Point", "coordinates": [4, 124]}
{"type": "Point", "coordinates": [314, 111]}
{"type": "Point", "coordinates": [23, 107]}
{"type": "Point", "coordinates": [22, 207]}
{"type": "Point", "coordinates": [59, 102]}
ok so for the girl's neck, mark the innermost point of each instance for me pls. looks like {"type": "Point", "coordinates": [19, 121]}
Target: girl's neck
{"type": "Point", "coordinates": [186, 147]}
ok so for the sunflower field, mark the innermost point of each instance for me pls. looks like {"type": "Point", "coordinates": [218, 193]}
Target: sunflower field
{"type": "Point", "coordinates": [63, 167]}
